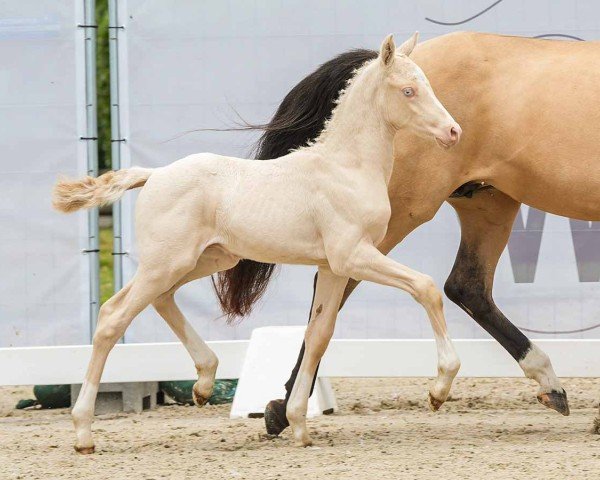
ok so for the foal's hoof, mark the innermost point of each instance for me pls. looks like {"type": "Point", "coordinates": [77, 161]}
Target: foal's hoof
{"type": "Point", "coordinates": [199, 399]}
{"type": "Point", "coordinates": [305, 442]}
{"type": "Point", "coordinates": [85, 450]}
{"type": "Point", "coordinates": [555, 400]}
{"type": "Point", "coordinates": [275, 419]}
{"type": "Point", "coordinates": [434, 403]}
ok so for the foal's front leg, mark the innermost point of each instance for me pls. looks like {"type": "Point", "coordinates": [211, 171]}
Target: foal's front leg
{"type": "Point", "coordinates": [367, 263]}
{"type": "Point", "coordinates": [328, 295]}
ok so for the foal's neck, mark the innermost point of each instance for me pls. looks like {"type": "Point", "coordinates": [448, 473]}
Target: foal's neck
{"type": "Point", "coordinates": [356, 134]}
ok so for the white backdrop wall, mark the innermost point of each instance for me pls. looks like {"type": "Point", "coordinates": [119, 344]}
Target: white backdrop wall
{"type": "Point", "coordinates": [44, 281]}
{"type": "Point", "coordinates": [190, 65]}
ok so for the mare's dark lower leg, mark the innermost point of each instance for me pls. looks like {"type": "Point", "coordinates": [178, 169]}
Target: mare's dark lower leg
{"type": "Point", "coordinates": [486, 221]}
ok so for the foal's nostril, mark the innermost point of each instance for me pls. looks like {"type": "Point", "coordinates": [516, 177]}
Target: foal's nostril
{"type": "Point", "coordinates": [449, 137]}
{"type": "Point", "coordinates": [454, 134]}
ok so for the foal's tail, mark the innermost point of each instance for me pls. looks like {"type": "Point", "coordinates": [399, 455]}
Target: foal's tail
{"type": "Point", "coordinates": [71, 195]}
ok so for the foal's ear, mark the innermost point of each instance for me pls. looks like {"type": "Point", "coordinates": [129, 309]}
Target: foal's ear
{"type": "Point", "coordinates": [407, 47]}
{"type": "Point", "coordinates": [387, 51]}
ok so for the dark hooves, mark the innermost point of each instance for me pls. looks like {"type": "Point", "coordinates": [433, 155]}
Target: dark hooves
{"type": "Point", "coordinates": [275, 419]}
{"type": "Point", "coordinates": [596, 426]}
{"type": "Point", "coordinates": [434, 403]}
{"type": "Point", "coordinates": [556, 401]}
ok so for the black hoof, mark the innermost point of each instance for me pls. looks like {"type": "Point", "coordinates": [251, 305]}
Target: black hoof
{"type": "Point", "coordinates": [596, 426]}
{"type": "Point", "coordinates": [556, 401]}
{"type": "Point", "coordinates": [275, 419]}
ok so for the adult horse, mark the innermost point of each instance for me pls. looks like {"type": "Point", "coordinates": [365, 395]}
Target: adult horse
{"type": "Point", "coordinates": [530, 116]}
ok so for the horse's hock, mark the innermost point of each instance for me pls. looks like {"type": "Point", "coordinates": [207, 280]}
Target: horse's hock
{"type": "Point", "coordinates": [123, 397]}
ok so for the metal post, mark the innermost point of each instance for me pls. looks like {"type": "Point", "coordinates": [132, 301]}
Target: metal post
{"type": "Point", "coordinates": [91, 138]}
{"type": "Point", "coordinates": [115, 134]}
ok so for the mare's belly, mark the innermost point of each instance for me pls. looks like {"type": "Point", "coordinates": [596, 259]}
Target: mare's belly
{"type": "Point", "coordinates": [566, 187]}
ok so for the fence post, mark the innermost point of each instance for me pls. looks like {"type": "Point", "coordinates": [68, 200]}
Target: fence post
{"type": "Point", "coordinates": [93, 249]}
{"type": "Point", "coordinates": [115, 134]}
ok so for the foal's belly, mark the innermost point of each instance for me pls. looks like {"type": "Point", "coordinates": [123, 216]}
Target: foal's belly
{"type": "Point", "coordinates": [275, 235]}
{"type": "Point", "coordinates": [275, 246]}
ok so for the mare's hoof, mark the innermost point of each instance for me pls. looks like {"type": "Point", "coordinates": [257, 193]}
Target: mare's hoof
{"type": "Point", "coordinates": [275, 419]}
{"type": "Point", "coordinates": [85, 450]}
{"type": "Point", "coordinates": [596, 426]}
{"type": "Point", "coordinates": [555, 400]}
{"type": "Point", "coordinates": [434, 403]}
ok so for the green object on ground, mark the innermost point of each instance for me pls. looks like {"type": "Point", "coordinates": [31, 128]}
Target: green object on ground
{"type": "Point", "coordinates": [181, 391]}
{"type": "Point", "coordinates": [53, 396]}
{"type": "Point", "coordinates": [223, 391]}
{"type": "Point", "coordinates": [21, 404]}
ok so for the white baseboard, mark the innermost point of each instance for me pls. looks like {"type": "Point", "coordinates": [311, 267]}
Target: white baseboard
{"type": "Point", "coordinates": [344, 358]}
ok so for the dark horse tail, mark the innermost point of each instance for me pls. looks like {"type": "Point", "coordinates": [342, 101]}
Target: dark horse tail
{"type": "Point", "coordinates": [299, 119]}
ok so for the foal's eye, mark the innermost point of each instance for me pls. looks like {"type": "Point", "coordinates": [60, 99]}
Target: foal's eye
{"type": "Point", "coordinates": [408, 91]}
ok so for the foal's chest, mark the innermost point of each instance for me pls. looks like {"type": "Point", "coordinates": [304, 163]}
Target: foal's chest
{"type": "Point", "coordinates": [373, 211]}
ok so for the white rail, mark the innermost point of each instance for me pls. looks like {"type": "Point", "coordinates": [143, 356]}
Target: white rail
{"type": "Point", "coordinates": [344, 358]}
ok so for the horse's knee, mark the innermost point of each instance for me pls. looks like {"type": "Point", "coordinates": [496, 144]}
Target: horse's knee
{"type": "Point", "coordinates": [425, 291]}
{"type": "Point", "coordinates": [468, 293]}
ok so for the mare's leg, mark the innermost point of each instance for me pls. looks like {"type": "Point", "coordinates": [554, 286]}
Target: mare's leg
{"type": "Point", "coordinates": [328, 294]}
{"type": "Point", "coordinates": [213, 260]}
{"type": "Point", "coordinates": [486, 221]}
{"type": "Point", "coordinates": [366, 262]}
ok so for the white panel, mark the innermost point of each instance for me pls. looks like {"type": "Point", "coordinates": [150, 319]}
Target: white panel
{"type": "Point", "coordinates": [190, 65]}
{"type": "Point", "coordinates": [270, 356]}
{"type": "Point", "coordinates": [344, 358]}
{"type": "Point", "coordinates": [44, 283]}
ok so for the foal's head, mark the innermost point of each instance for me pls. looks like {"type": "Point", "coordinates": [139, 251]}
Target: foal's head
{"type": "Point", "coordinates": [406, 98]}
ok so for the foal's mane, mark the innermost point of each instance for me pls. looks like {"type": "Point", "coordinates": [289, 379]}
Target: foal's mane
{"type": "Point", "coordinates": [300, 118]}
{"type": "Point", "coordinates": [342, 94]}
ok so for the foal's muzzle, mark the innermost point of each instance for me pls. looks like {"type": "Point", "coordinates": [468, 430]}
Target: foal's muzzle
{"type": "Point", "coordinates": [449, 136]}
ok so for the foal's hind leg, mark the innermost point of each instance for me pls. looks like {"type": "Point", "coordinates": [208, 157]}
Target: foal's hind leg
{"type": "Point", "coordinates": [115, 316]}
{"type": "Point", "coordinates": [163, 262]}
{"type": "Point", "coordinates": [213, 260]}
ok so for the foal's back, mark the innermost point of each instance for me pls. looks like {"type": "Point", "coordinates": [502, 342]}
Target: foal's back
{"type": "Point", "coordinates": [240, 203]}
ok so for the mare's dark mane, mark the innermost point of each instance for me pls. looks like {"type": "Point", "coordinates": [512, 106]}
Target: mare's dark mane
{"type": "Point", "coordinates": [299, 119]}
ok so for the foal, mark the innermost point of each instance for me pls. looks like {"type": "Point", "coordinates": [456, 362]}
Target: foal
{"type": "Point", "coordinates": [201, 214]}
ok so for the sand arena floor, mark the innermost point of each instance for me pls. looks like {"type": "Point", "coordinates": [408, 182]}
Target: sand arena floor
{"type": "Point", "coordinates": [491, 429]}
